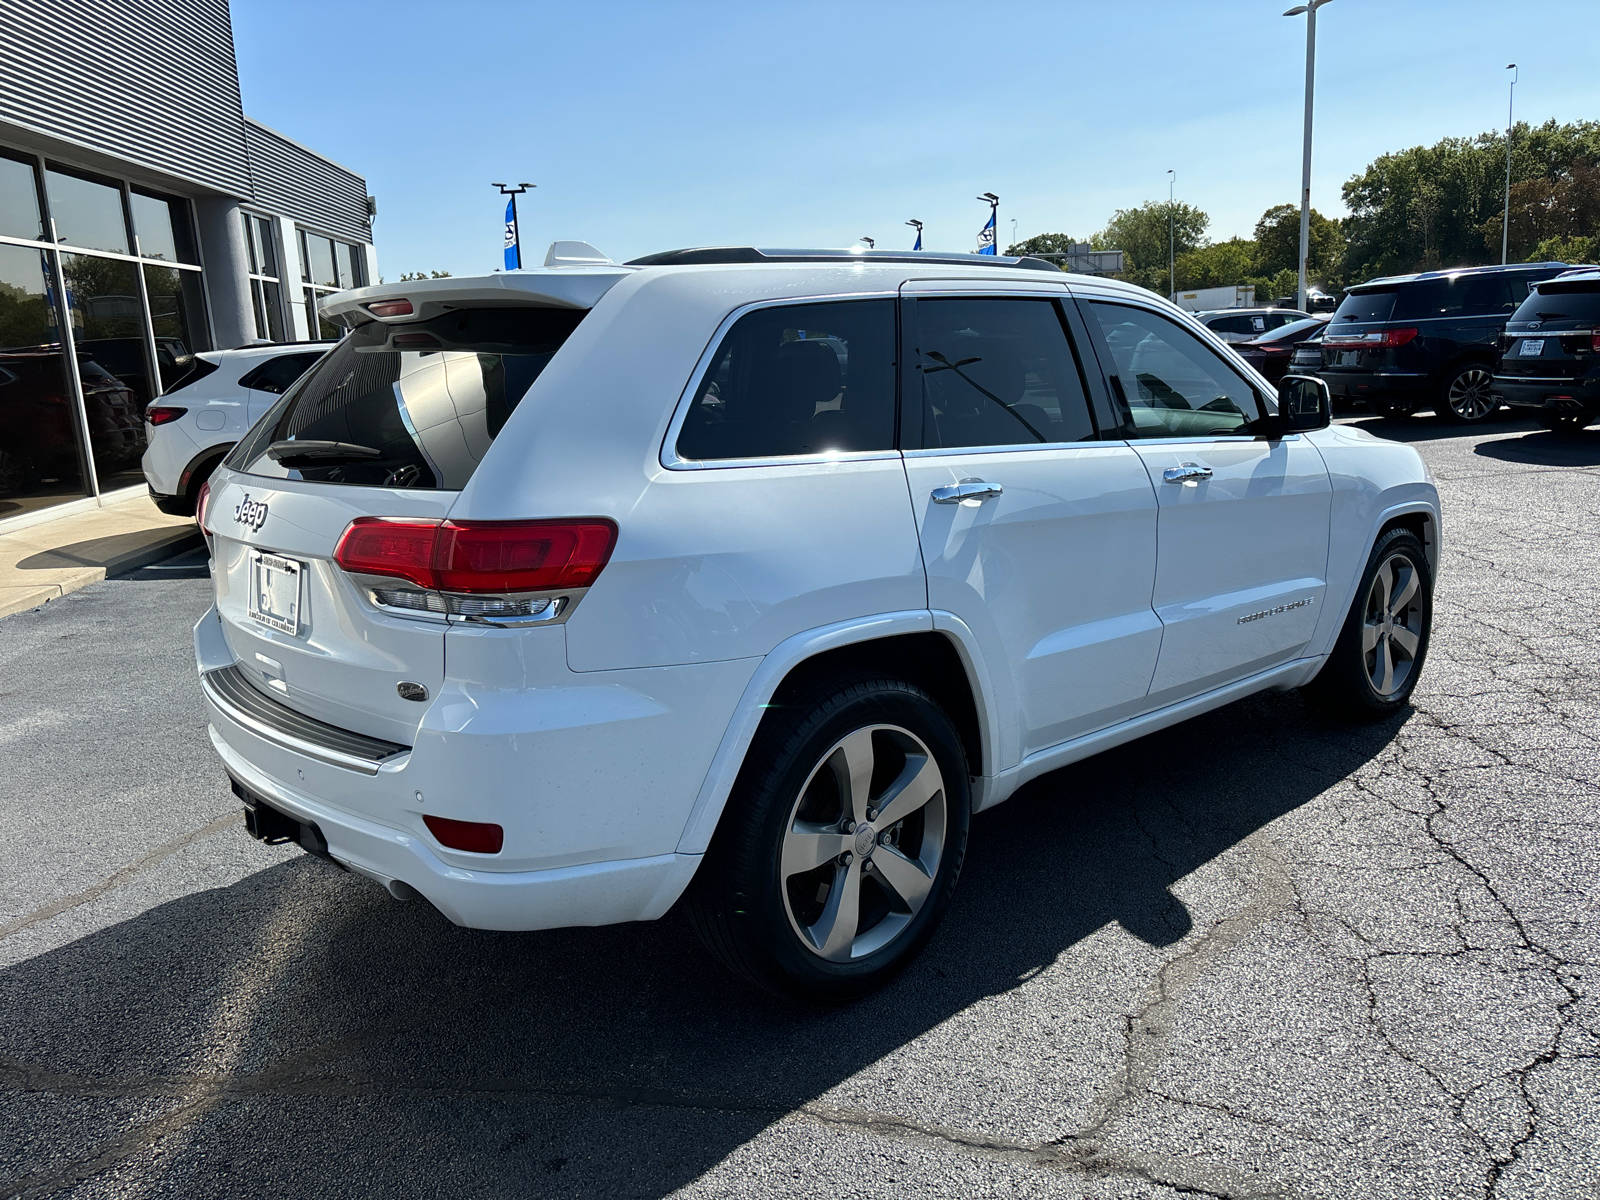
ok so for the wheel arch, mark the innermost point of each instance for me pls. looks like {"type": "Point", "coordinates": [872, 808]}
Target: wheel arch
{"type": "Point", "coordinates": [210, 458]}
{"type": "Point", "coordinates": [907, 645]}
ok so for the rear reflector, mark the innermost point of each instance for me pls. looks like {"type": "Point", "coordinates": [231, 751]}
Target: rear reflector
{"type": "Point", "coordinates": [479, 556]}
{"type": "Point", "coordinates": [475, 837]}
{"type": "Point", "coordinates": [163, 413]}
{"type": "Point", "coordinates": [390, 308]}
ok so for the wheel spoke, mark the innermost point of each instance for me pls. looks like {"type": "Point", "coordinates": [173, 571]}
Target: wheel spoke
{"type": "Point", "coordinates": [1386, 662]}
{"type": "Point", "coordinates": [1385, 582]}
{"type": "Point", "coordinates": [919, 782]}
{"type": "Point", "coordinates": [905, 876]}
{"type": "Point", "coordinates": [852, 767]}
{"type": "Point", "coordinates": [835, 930]}
{"type": "Point", "coordinates": [1369, 636]}
{"type": "Point", "coordinates": [809, 845]}
{"type": "Point", "coordinates": [1406, 640]}
{"type": "Point", "coordinates": [1403, 597]}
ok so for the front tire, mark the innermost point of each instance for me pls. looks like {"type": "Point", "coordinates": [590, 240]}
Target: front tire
{"type": "Point", "coordinates": [1379, 655]}
{"type": "Point", "coordinates": [1466, 396]}
{"type": "Point", "coordinates": [842, 841]}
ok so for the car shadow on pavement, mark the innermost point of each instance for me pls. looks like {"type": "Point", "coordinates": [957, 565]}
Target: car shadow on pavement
{"type": "Point", "coordinates": [1546, 449]}
{"type": "Point", "coordinates": [1428, 428]}
{"type": "Point", "coordinates": [301, 1033]}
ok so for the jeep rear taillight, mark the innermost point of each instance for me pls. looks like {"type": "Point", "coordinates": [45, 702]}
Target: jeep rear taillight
{"type": "Point", "coordinates": [479, 557]}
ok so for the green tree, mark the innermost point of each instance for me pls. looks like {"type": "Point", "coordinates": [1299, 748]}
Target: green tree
{"type": "Point", "coordinates": [1044, 243]}
{"type": "Point", "coordinates": [1278, 246]}
{"type": "Point", "coordinates": [1142, 234]}
{"type": "Point", "coordinates": [408, 276]}
{"type": "Point", "coordinates": [1221, 264]}
{"type": "Point", "coordinates": [1562, 209]}
{"type": "Point", "coordinates": [1430, 206]}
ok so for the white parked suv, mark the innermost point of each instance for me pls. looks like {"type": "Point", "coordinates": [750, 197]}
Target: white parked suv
{"type": "Point", "coordinates": [221, 393]}
{"type": "Point", "coordinates": [747, 577]}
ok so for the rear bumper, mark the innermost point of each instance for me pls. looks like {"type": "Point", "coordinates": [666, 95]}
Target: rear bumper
{"type": "Point", "coordinates": [600, 893]}
{"type": "Point", "coordinates": [1356, 385]}
{"type": "Point", "coordinates": [1562, 395]}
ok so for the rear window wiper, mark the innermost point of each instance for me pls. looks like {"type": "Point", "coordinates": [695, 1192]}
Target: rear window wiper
{"type": "Point", "coordinates": [309, 453]}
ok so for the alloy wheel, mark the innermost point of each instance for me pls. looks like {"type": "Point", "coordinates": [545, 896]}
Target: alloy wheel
{"type": "Point", "coordinates": [1469, 395]}
{"type": "Point", "coordinates": [863, 842]}
{"type": "Point", "coordinates": [1391, 633]}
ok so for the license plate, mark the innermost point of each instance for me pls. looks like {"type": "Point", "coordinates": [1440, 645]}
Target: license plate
{"type": "Point", "coordinates": [1349, 358]}
{"type": "Point", "coordinates": [1531, 347]}
{"type": "Point", "coordinates": [275, 591]}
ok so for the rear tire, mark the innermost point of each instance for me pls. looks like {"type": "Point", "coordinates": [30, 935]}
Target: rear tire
{"type": "Point", "coordinates": [849, 774]}
{"type": "Point", "coordinates": [1566, 424]}
{"type": "Point", "coordinates": [1466, 396]}
{"type": "Point", "coordinates": [1379, 655]}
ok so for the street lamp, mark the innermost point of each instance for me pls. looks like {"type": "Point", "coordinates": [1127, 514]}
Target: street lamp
{"type": "Point", "coordinates": [1505, 221]}
{"type": "Point", "coordinates": [1310, 11]}
{"type": "Point", "coordinates": [1172, 236]}
{"type": "Point", "coordinates": [917, 225]}
{"type": "Point", "coordinates": [1013, 231]}
{"type": "Point", "coordinates": [516, 230]}
{"type": "Point", "coordinates": [993, 227]}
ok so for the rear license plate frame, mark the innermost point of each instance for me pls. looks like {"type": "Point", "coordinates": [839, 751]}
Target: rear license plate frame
{"type": "Point", "coordinates": [268, 596]}
{"type": "Point", "coordinates": [1348, 358]}
{"type": "Point", "coordinates": [1537, 345]}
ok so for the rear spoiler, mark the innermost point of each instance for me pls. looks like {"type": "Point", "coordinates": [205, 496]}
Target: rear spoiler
{"type": "Point", "coordinates": [578, 287]}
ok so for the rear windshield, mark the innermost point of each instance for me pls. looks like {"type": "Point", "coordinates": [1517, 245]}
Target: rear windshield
{"type": "Point", "coordinates": [1364, 307]}
{"type": "Point", "coordinates": [1562, 300]}
{"type": "Point", "coordinates": [407, 406]}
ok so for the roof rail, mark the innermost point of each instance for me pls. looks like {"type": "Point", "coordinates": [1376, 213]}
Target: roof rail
{"type": "Point", "coordinates": [729, 255]}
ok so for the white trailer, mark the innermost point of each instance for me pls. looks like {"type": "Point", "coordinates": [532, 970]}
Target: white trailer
{"type": "Point", "coordinates": [1241, 295]}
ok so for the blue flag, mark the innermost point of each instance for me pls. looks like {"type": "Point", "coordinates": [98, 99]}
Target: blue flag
{"type": "Point", "coordinates": [513, 251]}
{"type": "Point", "coordinates": [986, 236]}
{"type": "Point", "coordinates": [918, 246]}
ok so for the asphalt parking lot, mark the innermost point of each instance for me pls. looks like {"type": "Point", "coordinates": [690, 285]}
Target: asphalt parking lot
{"type": "Point", "coordinates": [1257, 955]}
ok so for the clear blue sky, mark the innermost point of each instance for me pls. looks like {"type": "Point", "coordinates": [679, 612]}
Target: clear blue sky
{"type": "Point", "coordinates": [654, 126]}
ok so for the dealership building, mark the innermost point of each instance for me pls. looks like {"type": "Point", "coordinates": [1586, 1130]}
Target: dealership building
{"type": "Point", "coordinates": [143, 217]}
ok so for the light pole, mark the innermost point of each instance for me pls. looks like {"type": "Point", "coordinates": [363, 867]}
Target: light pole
{"type": "Point", "coordinates": [871, 242]}
{"type": "Point", "coordinates": [993, 227]}
{"type": "Point", "coordinates": [515, 230]}
{"type": "Point", "coordinates": [1505, 222]}
{"type": "Point", "coordinates": [1013, 231]}
{"type": "Point", "coordinates": [1172, 236]}
{"type": "Point", "coordinates": [917, 225]}
{"type": "Point", "coordinates": [1310, 11]}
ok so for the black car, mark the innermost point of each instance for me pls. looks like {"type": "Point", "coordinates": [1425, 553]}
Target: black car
{"type": "Point", "coordinates": [1428, 340]}
{"type": "Point", "coordinates": [1270, 353]}
{"type": "Point", "coordinates": [1550, 353]}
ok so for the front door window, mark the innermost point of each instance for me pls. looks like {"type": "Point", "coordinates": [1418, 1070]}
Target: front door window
{"type": "Point", "coordinates": [1173, 383]}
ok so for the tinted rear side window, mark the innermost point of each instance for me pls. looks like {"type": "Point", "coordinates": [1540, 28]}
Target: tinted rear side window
{"type": "Point", "coordinates": [1363, 307]}
{"type": "Point", "coordinates": [277, 374]}
{"type": "Point", "coordinates": [1556, 301]}
{"type": "Point", "coordinates": [797, 379]}
{"type": "Point", "coordinates": [414, 405]}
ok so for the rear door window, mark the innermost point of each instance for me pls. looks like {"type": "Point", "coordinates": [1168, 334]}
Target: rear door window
{"type": "Point", "coordinates": [276, 374]}
{"type": "Point", "coordinates": [414, 405]}
{"type": "Point", "coordinates": [797, 379]}
{"type": "Point", "coordinates": [998, 371]}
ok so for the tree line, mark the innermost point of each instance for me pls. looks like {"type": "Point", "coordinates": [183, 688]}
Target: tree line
{"type": "Point", "coordinates": [1426, 208]}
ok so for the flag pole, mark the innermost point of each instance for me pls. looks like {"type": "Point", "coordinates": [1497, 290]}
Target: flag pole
{"type": "Point", "coordinates": [516, 228]}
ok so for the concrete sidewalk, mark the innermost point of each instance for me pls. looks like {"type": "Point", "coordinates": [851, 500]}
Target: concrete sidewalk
{"type": "Point", "coordinates": [45, 561]}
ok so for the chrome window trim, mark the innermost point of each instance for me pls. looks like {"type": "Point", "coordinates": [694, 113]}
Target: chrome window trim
{"type": "Point", "coordinates": [1010, 448]}
{"type": "Point", "coordinates": [672, 461]}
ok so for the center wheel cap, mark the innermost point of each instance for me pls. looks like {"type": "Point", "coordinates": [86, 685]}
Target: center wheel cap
{"type": "Point", "coordinates": [866, 839]}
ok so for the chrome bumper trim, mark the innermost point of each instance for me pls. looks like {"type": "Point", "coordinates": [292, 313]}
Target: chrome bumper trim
{"type": "Point", "coordinates": [233, 696]}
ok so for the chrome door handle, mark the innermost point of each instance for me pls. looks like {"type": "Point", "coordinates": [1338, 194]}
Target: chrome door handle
{"type": "Point", "coordinates": [975, 491]}
{"type": "Point", "coordinates": [1186, 473]}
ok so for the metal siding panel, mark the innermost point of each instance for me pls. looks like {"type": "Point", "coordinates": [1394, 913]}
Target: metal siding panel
{"type": "Point", "coordinates": [153, 82]}
{"type": "Point", "coordinates": [300, 184]}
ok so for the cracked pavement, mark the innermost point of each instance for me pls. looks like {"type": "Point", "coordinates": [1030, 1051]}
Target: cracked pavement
{"type": "Point", "coordinates": [1254, 956]}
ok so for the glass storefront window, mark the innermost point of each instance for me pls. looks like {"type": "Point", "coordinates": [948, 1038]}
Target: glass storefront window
{"type": "Point", "coordinates": [349, 266]}
{"type": "Point", "coordinates": [40, 461]}
{"type": "Point", "coordinates": [19, 200]}
{"type": "Point", "coordinates": [319, 263]}
{"type": "Point", "coordinates": [163, 227]}
{"type": "Point", "coordinates": [108, 327]}
{"type": "Point", "coordinates": [268, 305]}
{"type": "Point", "coordinates": [262, 259]}
{"type": "Point", "coordinates": [86, 212]}
{"type": "Point", "coordinates": [177, 314]}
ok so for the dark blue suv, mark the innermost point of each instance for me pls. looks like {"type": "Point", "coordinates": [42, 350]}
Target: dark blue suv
{"type": "Point", "coordinates": [1426, 341]}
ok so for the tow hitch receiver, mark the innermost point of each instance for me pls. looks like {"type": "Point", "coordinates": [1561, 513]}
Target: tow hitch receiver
{"type": "Point", "coordinates": [274, 827]}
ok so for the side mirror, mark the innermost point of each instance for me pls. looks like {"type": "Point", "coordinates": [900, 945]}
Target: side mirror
{"type": "Point", "coordinates": [1304, 403]}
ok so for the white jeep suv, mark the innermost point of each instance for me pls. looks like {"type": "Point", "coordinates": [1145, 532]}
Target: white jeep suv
{"type": "Point", "coordinates": [196, 421]}
{"type": "Point", "coordinates": [747, 577]}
